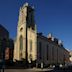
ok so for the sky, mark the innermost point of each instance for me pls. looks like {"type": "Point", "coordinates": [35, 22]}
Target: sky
{"type": "Point", "coordinates": [51, 16]}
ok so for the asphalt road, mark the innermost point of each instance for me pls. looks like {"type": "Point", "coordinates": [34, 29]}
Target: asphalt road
{"type": "Point", "coordinates": [26, 70]}
{"type": "Point", "coordinates": [34, 70]}
{"type": "Point", "coordinates": [68, 69]}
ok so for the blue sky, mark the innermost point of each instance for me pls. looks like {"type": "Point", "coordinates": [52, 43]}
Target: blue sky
{"type": "Point", "coordinates": [53, 16]}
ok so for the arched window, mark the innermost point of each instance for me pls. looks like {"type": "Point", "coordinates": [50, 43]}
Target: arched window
{"type": "Point", "coordinates": [21, 43]}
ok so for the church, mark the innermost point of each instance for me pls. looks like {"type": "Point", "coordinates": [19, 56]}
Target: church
{"type": "Point", "coordinates": [34, 48]}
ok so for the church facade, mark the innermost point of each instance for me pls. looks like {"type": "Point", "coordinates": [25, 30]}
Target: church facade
{"type": "Point", "coordinates": [34, 47]}
{"type": "Point", "coordinates": [26, 39]}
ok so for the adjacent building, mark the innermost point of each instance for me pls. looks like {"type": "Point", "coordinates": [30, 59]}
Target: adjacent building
{"type": "Point", "coordinates": [33, 47]}
{"type": "Point", "coordinates": [4, 35]}
{"type": "Point", "coordinates": [9, 51]}
{"type": "Point", "coordinates": [70, 57]}
{"type": "Point", "coordinates": [5, 45]}
{"type": "Point", "coordinates": [50, 51]}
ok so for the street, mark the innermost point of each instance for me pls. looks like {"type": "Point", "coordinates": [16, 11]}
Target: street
{"type": "Point", "coordinates": [26, 70]}
{"type": "Point", "coordinates": [36, 70]}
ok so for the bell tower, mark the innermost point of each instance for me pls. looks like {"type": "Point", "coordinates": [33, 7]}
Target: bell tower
{"type": "Point", "coordinates": [25, 45]}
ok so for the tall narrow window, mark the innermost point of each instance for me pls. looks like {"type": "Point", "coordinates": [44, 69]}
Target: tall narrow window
{"type": "Point", "coordinates": [47, 52]}
{"type": "Point", "coordinates": [21, 43]}
{"type": "Point", "coordinates": [30, 45]}
{"type": "Point", "coordinates": [30, 56]}
{"type": "Point", "coordinates": [40, 50]}
{"type": "Point", "coordinates": [52, 53]}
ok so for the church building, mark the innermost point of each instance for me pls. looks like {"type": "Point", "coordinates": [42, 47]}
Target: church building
{"type": "Point", "coordinates": [26, 40]}
{"type": "Point", "coordinates": [33, 47]}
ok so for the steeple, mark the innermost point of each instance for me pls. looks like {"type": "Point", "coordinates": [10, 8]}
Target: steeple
{"type": "Point", "coordinates": [26, 16]}
{"type": "Point", "coordinates": [26, 4]}
{"type": "Point", "coordinates": [26, 32]}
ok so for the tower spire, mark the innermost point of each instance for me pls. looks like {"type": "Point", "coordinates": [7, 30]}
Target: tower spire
{"type": "Point", "coordinates": [26, 4]}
